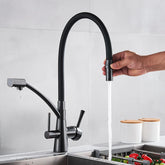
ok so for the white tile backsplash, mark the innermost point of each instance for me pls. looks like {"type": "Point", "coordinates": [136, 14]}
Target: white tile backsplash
{"type": "Point", "coordinates": [30, 31]}
{"type": "Point", "coordinates": [38, 64]}
{"type": "Point", "coordinates": [119, 16]}
{"type": "Point", "coordinates": [139, 16]}
{"type": "Point", "coordinates": [154, 21]}
{"type": "Point", "coordinates": [41, 14]}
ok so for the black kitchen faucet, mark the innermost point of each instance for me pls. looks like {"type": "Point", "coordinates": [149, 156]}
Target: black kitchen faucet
{"type": "Point", "coordinates": [62, 132]}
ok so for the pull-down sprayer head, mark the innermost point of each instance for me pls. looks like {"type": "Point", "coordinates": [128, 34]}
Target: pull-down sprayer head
{"type": "Point", "coordinates": [108, 70]}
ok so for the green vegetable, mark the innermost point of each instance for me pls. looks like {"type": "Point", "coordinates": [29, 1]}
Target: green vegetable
{"type": "Point", "coordinates": [162, 163]}
{"type": "Point", "coordinates": [159, 161]}
{"type": "Point", "coordinates": [113, 159]}
{"type": "Point", "coordinates": [126, 161]}
{"type": "Point", "coordinates": [116, 159]}
{"type": "Point", "coordinates": [139, 158]}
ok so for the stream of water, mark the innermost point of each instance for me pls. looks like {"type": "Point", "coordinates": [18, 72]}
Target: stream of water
{"type": "Point", "coordinates": [109, 120]}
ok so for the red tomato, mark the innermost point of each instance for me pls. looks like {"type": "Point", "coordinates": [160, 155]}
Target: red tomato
{"type": "Point", "coordinates": [134, 155]}
{"type": "Point", "coordinates": [145, 157]}
{"type": "Point", "coordinates": [136, 163]}
{"type": "Point", "coordinates": [162, 160]}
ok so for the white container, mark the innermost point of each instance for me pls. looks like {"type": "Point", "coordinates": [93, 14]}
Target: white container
{"type": "Point", "coordinates": [131, 131]}
{"type": "Point", "coordinates": [151, 129]}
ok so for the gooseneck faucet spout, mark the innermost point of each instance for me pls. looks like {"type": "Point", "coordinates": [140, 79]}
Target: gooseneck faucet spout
{"type": "Point", "coordinates": [62, 132]}
{"type": "Point", "coordinates": [66, 30]}
{"type": "Point", "coordinates": [61, 143]}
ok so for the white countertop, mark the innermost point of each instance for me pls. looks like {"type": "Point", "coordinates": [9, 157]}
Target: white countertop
{"type": "Point", "coordinates": [84, 148]}
{"type": "Point", "coordinates": [161, 143]}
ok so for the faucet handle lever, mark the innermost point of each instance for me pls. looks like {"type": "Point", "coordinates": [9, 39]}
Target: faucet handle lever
{"type": "Point", "coordinates": [80, 118]}
{"type": "Point", "coordinates": [74, 132]}
{"type": "Point", "coordinates": [51, 134]}
{"type": "Point", "coordinates": [49, 119]}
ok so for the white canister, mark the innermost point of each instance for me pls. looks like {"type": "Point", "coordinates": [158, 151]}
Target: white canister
{"type": "Point", "coordinates": [151, 129]}
{"type": "Point", "coordinates": [131, 131]}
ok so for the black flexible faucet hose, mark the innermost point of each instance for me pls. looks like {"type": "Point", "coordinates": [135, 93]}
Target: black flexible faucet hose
{"type": "Point", "coordinates": [62, 49]}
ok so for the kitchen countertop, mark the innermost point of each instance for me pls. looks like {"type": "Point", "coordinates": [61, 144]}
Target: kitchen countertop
{"type": "Point", "coordinates": [84, 148]}
{"type": "Point", "coordinates": [161, 143]}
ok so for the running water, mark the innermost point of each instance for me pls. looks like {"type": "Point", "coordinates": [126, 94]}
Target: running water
{"type": "Point", "coordinates": [109, 120]}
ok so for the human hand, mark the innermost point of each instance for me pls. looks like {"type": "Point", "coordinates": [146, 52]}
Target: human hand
{"type": "Point", "coordinates": [127, 63]}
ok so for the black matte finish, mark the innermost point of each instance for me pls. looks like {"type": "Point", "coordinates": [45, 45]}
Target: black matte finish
{"type": "Point", "coordinates": [108, 70]}
{"type": "Point", "coordinates": [65, 32]}
{"type": "Point", "coordinates": [61, 144]}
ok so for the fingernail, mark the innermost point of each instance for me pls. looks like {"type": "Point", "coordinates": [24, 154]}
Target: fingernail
{"type": "Point", "coordinates": [112, 65]}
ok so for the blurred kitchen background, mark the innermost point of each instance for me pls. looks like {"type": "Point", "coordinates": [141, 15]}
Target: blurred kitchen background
{"type": "Point", "coordinates": [30, 31]}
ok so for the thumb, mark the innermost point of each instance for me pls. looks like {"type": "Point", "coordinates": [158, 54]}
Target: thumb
{"type": "Point", "coordinates": [120, 64]}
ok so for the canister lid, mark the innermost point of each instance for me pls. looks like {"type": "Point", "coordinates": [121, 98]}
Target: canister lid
{"type": "Point", "coordinates": [149, 120]}
{"type": "Point", "coordinates": [131, 121]}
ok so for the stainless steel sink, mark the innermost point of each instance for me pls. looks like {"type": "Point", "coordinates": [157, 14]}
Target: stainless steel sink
{"type": "Point", "coordinates": [70, 159]}
{"type": "Point", "coordinates": [85, 158]}
{"type": "Point", "coordinates": [52, 160]}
